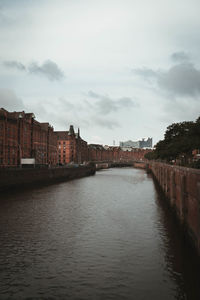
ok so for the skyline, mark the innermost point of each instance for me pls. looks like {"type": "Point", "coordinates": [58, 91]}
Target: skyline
{"type": "Point", "coordinates": [117, 70]}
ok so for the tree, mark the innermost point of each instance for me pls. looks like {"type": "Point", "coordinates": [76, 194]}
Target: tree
{"type": "Point", "coordinates": [180, 140]}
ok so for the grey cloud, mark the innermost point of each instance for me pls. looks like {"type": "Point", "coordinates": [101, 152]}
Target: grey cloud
{"type": "Point", "coordinates": [2, 18]}
{"type": "Point", "coordinates": [48, 69]}
{"type": "Point", "coordinates": [126, 102]}
{"type": "Point", "coordinates": [109, 124]}
{"type": "Point", "coordinates": [181, 79]}
{"type": "Point", "coordinates": [60, 113]}
{"type": "Point", "coordinates": [10, 101]}
{"type": "Point", "coordinates": [106, 105]}
{"type": "Point", "coordinates": [14, 64]}
{"type": "Point", "coordinates": [93, 95]}
{"type": "Point", "coordinates": [179, 56]}
{"type": "Point", "coordinates": [66, 105]}
{"type": "Point", "coordinates": [145, 72]}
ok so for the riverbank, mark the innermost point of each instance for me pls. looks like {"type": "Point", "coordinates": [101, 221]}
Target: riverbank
{"type": "Point", "coordinates": [107, 165]}
{"type": "Point", "coordinates": [15, 178]}
{"type": "Point", "coordinates": [181, 187]}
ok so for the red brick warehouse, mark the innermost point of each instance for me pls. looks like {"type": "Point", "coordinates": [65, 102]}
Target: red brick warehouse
{"type": "Point", "coordinates": [71, 147]}
{"type": "Point", "coordinates": [21, 136]}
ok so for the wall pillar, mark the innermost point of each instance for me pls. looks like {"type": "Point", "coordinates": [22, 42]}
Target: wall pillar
{"type": "Point", "coordinates": [183, 196]}
{"type": "Point", "coordinates": [198, 199]}
{"type": "Point", "coordinates": [172, 189]}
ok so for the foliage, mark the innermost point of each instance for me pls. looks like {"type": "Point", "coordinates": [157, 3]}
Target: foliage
{"type": "Point", "coordinates": [180, 140]}
{"type": "Point", "coordinates": [194, 164]}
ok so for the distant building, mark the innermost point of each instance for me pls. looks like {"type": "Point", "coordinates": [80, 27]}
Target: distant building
{"type": "Point", "coordinates": [71, 147]}
{"type": "Point", "coordinates": [99, 152]}
{"type": "Point", "coordinates": [137, 144]}
{"type": "Point", "coordinates": [128, 148]}
{"type": "Point", "coordinates": [146, 143]}
{"type": "Point", "coordinates": [130, 144]}
{"type": "Point", "coordinates": [96, 152]}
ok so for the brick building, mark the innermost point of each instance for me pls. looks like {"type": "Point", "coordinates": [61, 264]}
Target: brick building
{"type": "Point", "coordinates": [71, 147]}
{"type": "Point", "coordinates": [104, 153]}
{"type": "Point", "coordinates": [96, 152]}
{"type": "Point", "coordinates": [135, 154]}
{"type": "Point", "coordinates": [9, 147]}
{"type": "Point", "coordinates": [21, 136]}
{"type": "Point", "coordinates": [112, 153]}
{"type": "Point", "coordinates": [44, 143]}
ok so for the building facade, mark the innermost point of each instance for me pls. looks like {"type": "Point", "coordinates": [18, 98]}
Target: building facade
{"type": "Point", "coordinates": [144, 143]}
{"type": "Point", "coordinates": [21, 136]}
{"type": "Point", "coordinates": [71, 147]}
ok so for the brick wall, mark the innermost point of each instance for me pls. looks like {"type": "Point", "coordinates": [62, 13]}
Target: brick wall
{"type": "Point", "coordinates": [99, 153]}
{"type": "Point", "coordinates": [181, 187]}
{"type": "Point", "coordinates": [21, 136]}
{"type": "Point", "coordinates": [25, 177]}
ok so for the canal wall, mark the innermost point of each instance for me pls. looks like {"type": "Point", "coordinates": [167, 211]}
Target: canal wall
{"type": "Point", "coordinates": [10, 178]}
{"type": "Point", "coordinates": [181, 187]}
{"type": "Point", "coordinates": [107, 165]}
{"type": "Point", "coordinates": [140, 165]}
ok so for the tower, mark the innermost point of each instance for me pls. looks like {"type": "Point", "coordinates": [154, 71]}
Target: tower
{"type": "Point", "coordinates": [71, 130]}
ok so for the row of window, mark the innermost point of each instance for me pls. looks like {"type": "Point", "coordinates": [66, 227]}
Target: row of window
{"type": "Point", "coordinates": [9, 161]}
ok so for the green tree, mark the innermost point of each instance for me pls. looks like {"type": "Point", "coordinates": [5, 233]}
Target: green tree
{"type": "Point", "coordinates": [179, 141]}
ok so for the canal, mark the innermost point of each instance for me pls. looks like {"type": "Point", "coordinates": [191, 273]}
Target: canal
{"type": "Point", "coordinates": [108, 236]}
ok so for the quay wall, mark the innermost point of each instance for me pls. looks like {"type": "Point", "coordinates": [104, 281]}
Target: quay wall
{"type": "Point", "coordinates": [181, 187]}
{"type": "Point", "coordinates": [10, 178]}
{"type": "Point", "coordinates": [112, 164]}
{"type": "Point", "coordinates": [140, 165]}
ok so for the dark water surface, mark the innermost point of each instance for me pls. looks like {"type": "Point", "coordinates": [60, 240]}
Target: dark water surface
{"type": "Point", "coordinates": [109, 236]}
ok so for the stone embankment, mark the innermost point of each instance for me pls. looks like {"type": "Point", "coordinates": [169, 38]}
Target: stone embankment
{"type": "Point", "coordinates": [181, 187]}
{"type": "Point", "coordinates": [10, 178]}
{"type": "Point", "coordinates": [106, 165]}
{"type": "Point", "coordinates": [140, 164]}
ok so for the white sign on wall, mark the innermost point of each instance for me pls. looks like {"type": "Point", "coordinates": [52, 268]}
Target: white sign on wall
{"type": "Point", "coordinates": [27, 161]}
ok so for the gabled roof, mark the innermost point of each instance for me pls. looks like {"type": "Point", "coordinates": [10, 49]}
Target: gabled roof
{"type": "Point", "coordinates": [16, 114]}
{"type": "Point", "coordinates": [62, 135]}
{"type": "Point", "coordinates": [96, 146]}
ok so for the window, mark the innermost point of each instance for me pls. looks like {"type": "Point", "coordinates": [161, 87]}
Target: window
{"type": "Point", "coordinates": [1, 129]}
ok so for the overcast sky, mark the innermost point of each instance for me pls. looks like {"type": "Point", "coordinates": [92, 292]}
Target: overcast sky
{"type": "Point", "coordinates": [118, 69]}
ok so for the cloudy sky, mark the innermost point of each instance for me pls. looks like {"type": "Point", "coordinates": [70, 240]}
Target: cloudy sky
{"type": "Point", "coordinates": [118, 69]}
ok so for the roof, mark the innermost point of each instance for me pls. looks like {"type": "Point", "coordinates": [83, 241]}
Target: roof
{"type": "Point", "coordinates": [16, 114]}
{"type": "Point", "coordinates": [96, 146]}
{"type": "Point", "coordinates": [62, 135]}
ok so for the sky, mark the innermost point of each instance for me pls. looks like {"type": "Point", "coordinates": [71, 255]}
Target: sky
{"type": "Point", "coordinates": [117, 69]}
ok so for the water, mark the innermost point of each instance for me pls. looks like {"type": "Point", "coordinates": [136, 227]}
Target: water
{"type": "Point", "coordinates": [109, 236]}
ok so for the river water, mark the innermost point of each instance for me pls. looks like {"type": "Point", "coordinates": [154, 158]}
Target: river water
{"type": "Point", "coordinates": [108, 236]}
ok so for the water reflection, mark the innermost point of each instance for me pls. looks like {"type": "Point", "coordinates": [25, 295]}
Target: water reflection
{"type": "Point", "coordinates": [109, 236]}
{"type": "Point", "coordinates": [181, 259]}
